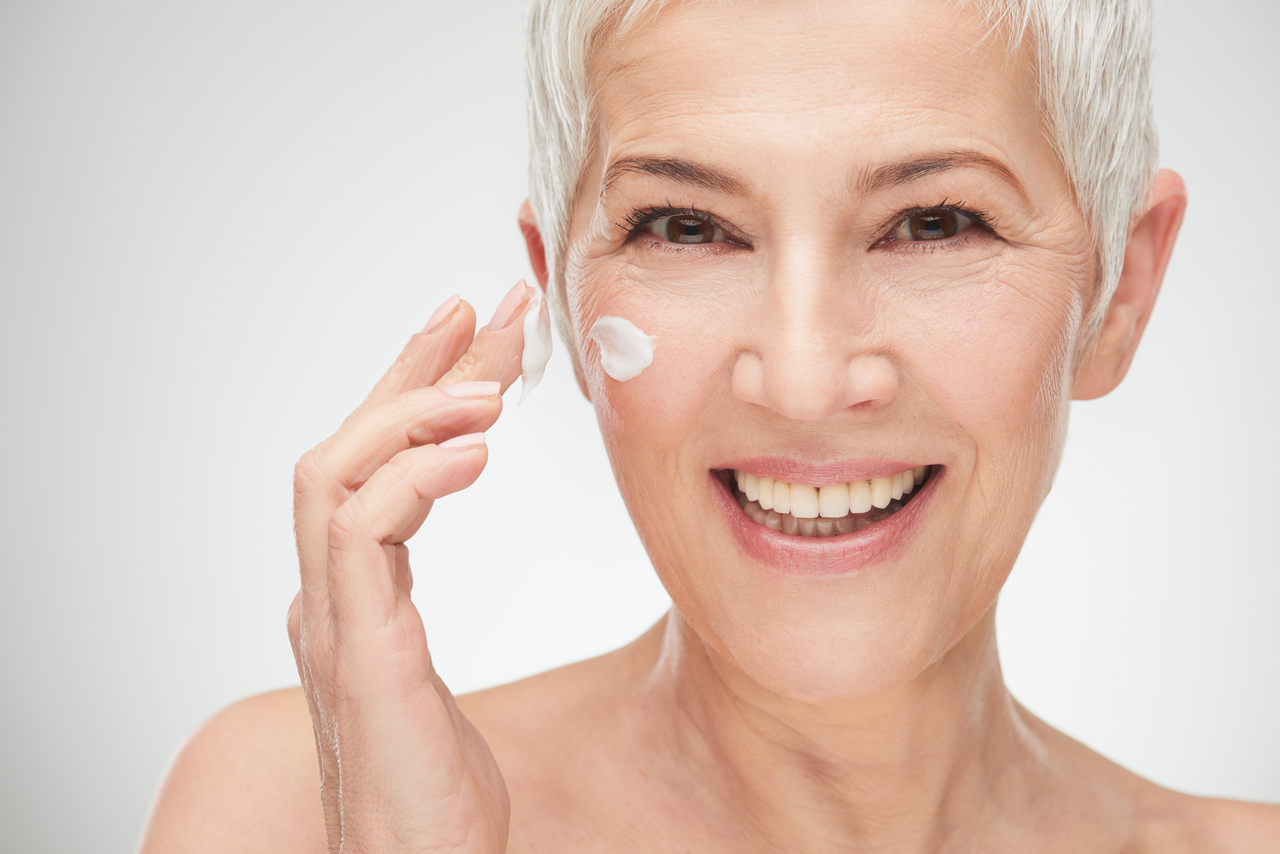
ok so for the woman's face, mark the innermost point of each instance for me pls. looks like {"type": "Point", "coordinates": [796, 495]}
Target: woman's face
{"type": "Point", "coordinates": [849, 234]}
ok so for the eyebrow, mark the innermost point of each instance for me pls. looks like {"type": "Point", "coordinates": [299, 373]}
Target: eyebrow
{"type": "Point", "coordinates": [869, 182]}
{"type": "Point", "coordinates": [896, 174]}
{"type": "Point", "coordinates": [680, 171]}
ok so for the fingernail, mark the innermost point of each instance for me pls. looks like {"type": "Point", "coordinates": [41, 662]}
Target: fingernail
{"type": "Point", "coordinates": [466, 441]}
{"type": "Point", "coordinates": [507, 308]}
{"type": "Point", "coordinates": [475, 388]}
{"type": "Point", "coordinates": [442, 313]}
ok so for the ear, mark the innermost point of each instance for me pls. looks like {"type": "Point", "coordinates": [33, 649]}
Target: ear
{"type": "Point", "coordinates": [1145, 258]}
{"type": "Point", "coordinates": [533, 241]}
{"type": "Point", "coordinates": [538, 258]}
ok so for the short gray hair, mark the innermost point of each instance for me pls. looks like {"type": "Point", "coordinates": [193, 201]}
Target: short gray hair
{"type": "Point", "coordinates": [1093, 59]}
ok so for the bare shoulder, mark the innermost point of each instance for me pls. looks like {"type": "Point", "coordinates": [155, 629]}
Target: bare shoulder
{"type": "Point", "coordinates": [566, 741]}
{"type": "Point", "coordinates": [1152, 819]}
{"type": "Point", "coordinates": [1211, 825]}
{"type": "Point", "coordinates": [246, 781]}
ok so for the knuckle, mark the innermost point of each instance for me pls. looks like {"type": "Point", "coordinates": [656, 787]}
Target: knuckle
{"type": "Point", "coordinates": [344, 524]}
{"type": "Point", "coordinates": [466, 367]}
{"type": "Point", "coordinates": [309, 471]}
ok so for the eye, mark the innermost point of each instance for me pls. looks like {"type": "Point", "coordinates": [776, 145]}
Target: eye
{"type": "Point", "coordinates": [933, 224]}
{"type": "Point", "coordinates": [686, 228]}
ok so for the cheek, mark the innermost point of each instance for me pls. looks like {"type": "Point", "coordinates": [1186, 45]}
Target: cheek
{"type": "Point", "coordinates": [1000, 353]}
{"type": "Point", "coordinates": [671, 397]}
{"type": "Point", "coordinates": [998, 362]}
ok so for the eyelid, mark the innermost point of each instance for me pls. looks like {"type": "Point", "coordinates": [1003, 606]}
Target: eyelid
{"type": "Point", "coordinates": [640, 219]}
{"type": "Point", "coordinates": [981, 219]}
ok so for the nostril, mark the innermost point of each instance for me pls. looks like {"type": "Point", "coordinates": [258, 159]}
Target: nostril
{"type": "Point", "coordinates": [872, 383]}
{"type": "Point", "coordinates": [748, 379]}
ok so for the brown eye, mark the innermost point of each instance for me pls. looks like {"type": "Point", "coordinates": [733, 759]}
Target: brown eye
{"type": "Point", "coordinates": [686, 228]}
{"type": "Point", "coordinates": [932, 224]}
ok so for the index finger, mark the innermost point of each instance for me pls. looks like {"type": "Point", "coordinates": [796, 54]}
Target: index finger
{"type": "Point", "coordinates": [517, 342]}
{"type": "Point", "coordinates": [428, 354]}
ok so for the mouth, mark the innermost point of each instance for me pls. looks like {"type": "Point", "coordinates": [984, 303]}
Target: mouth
{"type": "Point", "coordinates": [807, 529]}
{"type": "Point", "coordinates": [828, 510]}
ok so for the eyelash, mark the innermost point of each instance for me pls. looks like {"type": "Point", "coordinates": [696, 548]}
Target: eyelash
{"type": "Point", "coordinates": [981, 219]}
{"type": "Point", "coordinates": [640, 218]}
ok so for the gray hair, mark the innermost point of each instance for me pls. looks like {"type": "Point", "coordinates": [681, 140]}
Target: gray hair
{"type": "Point", "coordinates": [1093, 59]}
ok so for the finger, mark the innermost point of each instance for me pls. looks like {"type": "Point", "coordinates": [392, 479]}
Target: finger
{"type": "Point", "coordinates": [423, 416]}
{"type": "Point", "coordinates": [428, 355]}
{"type": "Point", "coordinates": [327, 476]}
{"type": "Point", "coordinates": [495, 353]}
{"type": "Point", "coordinates": [365, 531]}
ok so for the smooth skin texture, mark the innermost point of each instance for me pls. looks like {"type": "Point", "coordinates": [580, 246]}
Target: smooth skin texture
{"type": "Point", "coordinates": [767, 711]}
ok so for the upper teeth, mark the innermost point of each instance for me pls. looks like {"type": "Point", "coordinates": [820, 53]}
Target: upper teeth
{"type": "Point", "coordinates": [832, 500]}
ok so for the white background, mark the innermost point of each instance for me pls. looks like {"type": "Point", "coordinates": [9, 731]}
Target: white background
{"type": "Point", "coordinates": [220, 221]}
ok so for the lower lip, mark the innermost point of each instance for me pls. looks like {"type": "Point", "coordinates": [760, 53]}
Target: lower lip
{"type": "Point", "coordinates": [789, 554]}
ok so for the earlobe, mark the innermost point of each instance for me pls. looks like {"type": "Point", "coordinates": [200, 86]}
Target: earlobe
{"type": "Point", "coordinates": [1146, 257]}
{"type": "Point", "coordinates": [533, 242]}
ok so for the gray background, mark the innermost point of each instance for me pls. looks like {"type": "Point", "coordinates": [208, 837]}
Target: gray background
{"type": "Point", "coordinates": [220, 221]}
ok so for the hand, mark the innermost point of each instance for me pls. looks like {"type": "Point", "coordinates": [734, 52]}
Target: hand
{"type": "Point", "coordinates": [401, 769]}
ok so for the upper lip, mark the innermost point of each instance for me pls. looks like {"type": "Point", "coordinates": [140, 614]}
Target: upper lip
{"type": "Point", "coordinates": [792, 470]}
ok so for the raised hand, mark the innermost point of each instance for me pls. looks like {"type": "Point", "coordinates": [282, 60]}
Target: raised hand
{"type": "Point", "coordinates": [401, 768]}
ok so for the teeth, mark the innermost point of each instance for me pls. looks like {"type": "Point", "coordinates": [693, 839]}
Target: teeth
{"type": "Point", "coordinates": [881, 492]}
{"type": "Point", "coordinates": [860, 496]}
{"type": "Point", "coordinates": [804, 501]}
{"type": "Point", "coordinates": [764, 486]}
{"type": "Point", "coordinates": [782, 496]}
{"type": "Point", "coordinates": [833, 500]}
{"type": "Point", "coordinates": [823, 511]}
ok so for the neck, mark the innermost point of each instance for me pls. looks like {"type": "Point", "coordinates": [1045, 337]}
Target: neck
{"type": "Point", "coordinates": [901, 770]}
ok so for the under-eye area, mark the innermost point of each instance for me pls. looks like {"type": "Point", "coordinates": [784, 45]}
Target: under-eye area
{"type": "Point", "coordinates": [827, 510]}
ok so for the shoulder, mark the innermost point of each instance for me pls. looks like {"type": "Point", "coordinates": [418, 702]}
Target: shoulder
{"type": "Point", "coordinates": [246, 781]}
{"type": "Point", "coordinates": [1148, 818]}
{"type": "Point", "coordinates": [1174, 822]}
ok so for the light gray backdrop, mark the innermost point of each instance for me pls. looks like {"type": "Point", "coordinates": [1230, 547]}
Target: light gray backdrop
{"type": "Point", "coordinates": [220, 221]}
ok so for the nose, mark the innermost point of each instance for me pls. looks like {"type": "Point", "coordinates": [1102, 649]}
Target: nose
{"type": "Point", "coordinates": [817, 347]}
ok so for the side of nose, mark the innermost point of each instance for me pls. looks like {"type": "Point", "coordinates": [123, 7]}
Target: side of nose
{"type": "Point", "coordinates": [816, 347]}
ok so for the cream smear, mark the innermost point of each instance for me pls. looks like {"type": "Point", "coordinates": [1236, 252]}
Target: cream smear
{"type": "Point", "coordinates": [625, 350]}
{"type": "Point", "coordinates": [537, 344]}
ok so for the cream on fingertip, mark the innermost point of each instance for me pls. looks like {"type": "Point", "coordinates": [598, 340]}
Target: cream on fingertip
{"type": "Point", "coordinates": [475, 388]}
{"type": "Point", "coordinates": [467, 440]}
{"type": "Point", "coordinates": [537, 344]}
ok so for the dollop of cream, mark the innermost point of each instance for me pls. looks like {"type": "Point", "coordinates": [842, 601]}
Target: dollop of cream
{"type": "Point", "coordinates": [537, 344]}
{"type": "Point", "coordinates": [625, 350]}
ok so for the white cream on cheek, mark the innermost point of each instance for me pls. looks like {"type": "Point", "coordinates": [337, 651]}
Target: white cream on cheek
{"type": "Point", "coordinates": [625, 349]}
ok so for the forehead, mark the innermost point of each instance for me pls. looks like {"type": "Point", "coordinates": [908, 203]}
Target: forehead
{"type": "Point", "coordinates": [799, 83]}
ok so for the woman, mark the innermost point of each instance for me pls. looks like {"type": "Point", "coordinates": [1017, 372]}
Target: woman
{"type": "Point", "coordinates": [831, 276]}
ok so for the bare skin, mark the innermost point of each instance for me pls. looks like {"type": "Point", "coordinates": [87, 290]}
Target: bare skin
{"type": "Point", "coordinates": [770, 710]}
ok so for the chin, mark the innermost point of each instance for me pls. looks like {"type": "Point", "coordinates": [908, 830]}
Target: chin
{"type": "Point", "coordinates": [823, 661]}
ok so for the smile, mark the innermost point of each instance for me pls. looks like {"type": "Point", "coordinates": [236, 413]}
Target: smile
{"type": "Point", "coordinates": [829, 510]}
